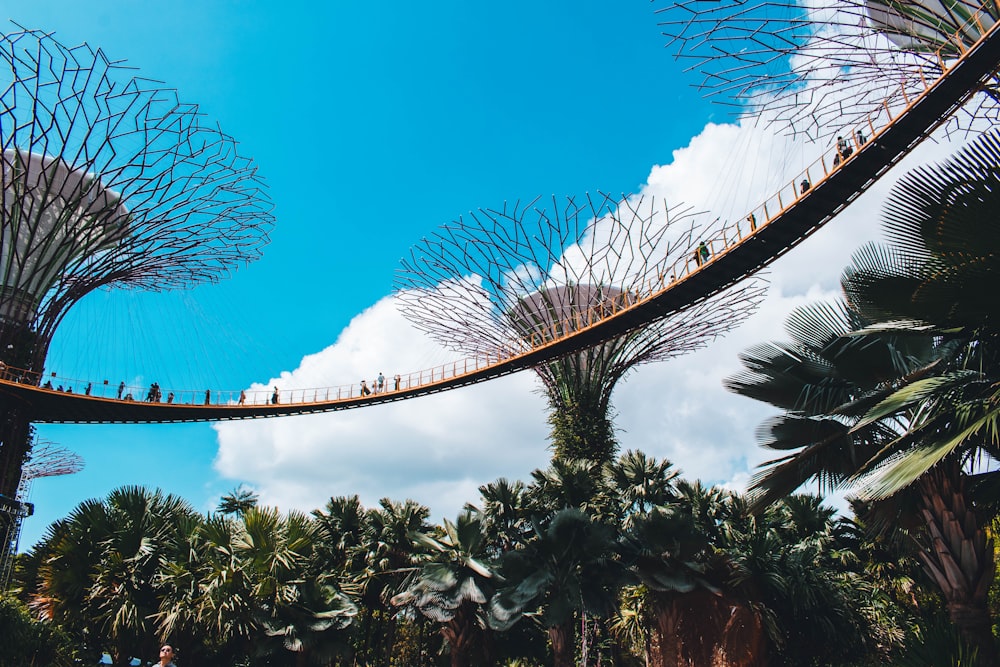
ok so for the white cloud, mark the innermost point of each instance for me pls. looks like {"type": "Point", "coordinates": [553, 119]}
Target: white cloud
{"type": "Point", "coordinates": [439, 449]}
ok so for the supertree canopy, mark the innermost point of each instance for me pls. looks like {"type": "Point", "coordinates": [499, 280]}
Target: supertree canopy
{"type": "Point", "coordinates": [817, 67]}
{"type": "Point", "coordinates": [107, 180]}
{"type": "Point", "coordinates": [502, 281]}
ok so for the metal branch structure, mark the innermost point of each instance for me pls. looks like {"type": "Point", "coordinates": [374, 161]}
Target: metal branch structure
{"type": "Point", "coordinates": [503, 281]}
{"type": "Point", "coordinates": [50, 460]}
{"type": "Point", "coordinates": [47, 460]}
{"type": "Point", "coordinates": [815, 68]}
{"type": "Point", "coordinates": [106, 180]}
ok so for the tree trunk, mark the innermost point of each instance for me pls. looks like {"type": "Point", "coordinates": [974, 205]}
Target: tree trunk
{"type": "Point", "coordinates": [389, 636]}
{"type": "Point", "coordinates": [561, 638]}
{"type": "Point", "coordinates": [744, 639]}
{"type": "Point", "coordinates": [667, 646]}
{"type": "Point", "coordinates": [462, 635]}
{"type": "Point", "coordinates": [958, 556]}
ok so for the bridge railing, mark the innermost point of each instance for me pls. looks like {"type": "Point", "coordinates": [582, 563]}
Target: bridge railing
{"type": "Point", "coordinates": [718, 242]}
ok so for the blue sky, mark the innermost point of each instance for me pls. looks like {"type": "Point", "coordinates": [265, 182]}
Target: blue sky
{"type": "Point", "coordinates": [372, 124]}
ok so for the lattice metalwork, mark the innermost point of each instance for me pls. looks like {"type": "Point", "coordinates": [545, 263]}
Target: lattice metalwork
{"type": "Point", "coordinates": [814, 68]}
{"type": "Point", "coordinates": [106, 180]}
{"type": "Point", "coordinates": [47, 460]}
{"type": "Point", "coordinates": [50, 460]}
{"type": "Point", "coordinates": [501, 281]}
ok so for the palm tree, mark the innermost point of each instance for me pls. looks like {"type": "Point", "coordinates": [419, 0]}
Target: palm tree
{"type": "Point", "coordinates": [453, 586]}
{"type": "Point", "coordinates": [825, 381]}
{"type": "Point", "coordinates": [569, 567]}
{"type": "Point", "coordinates": [576, 483]}
{"type": "Point", "coordinates": [207, 591]}
{"type": "Point", "coordinates": [830, 381]}
{"type": "Point", "coordinates": [802, 594]}
{"type": "Point", "coordinates": [295, 603]}
{"type": "Point", "coordinates": [237, 501]}
{"type": "Point", "coordinates": [100, 568]}
{"type": "Point", "coordinates": [938, 277]}
{"type": "Point", "coordinates": [252, 587]}
{"type": "Point", "coordinates": [505, 515]}
{"type": "Point", "coordinates": [386, 556]}
{"type": "Point", "coordinates": [637, 483]}
{"type": "Point", "coordinates": [341, 525]}
{"type": "Point", "coordinates": [673, 560]}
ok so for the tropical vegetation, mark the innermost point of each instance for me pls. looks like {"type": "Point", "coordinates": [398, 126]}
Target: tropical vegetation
{"type": "Point", "coordinates": [889, 395]}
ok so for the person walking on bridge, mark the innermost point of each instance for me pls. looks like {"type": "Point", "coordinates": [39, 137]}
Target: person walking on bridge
{"type": "Point", "coordinates": [702, 254]}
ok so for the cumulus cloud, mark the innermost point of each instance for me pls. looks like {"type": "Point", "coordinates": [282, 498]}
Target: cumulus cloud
{"type": "Point", "coordinates": [439, 449]}
{"type": "Point", "coordinates": [436, 449]}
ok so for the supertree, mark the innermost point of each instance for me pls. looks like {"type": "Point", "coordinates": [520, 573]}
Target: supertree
{"type": "Point", "coordinates": [47, 460]}
{"type": "Point", "coordinates": [816, 67]}
{"type": "Point", "coordinates": [506, 280]}
{"type": "Point", "coordinates": [107, 180]}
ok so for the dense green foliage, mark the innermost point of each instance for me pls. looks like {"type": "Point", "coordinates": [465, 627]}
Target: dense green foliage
{"type": "Point", "coordinates": [893, 395]}
{"type": "Point", "coordinates": [637, 566]}
{"type": "Point", "coordinates": [28, 641]}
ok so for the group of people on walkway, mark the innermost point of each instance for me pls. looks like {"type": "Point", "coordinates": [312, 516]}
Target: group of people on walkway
{"type": "Point", "coordinates": [155, 393]}
{"type": "Point", "coordinates": [845, 149]}
{"type": "Point", "coordinates": [379, 386]}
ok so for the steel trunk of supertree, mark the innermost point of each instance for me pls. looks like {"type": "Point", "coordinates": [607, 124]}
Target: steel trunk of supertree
{"type": "Point", "coordinates": [107, 180]}
{"type": "Point", "coordinates": [815, 69]}
{"type": "Point", "coordinates": [520, 276]}
{"type": "Point", "coordinates": [578, 386]}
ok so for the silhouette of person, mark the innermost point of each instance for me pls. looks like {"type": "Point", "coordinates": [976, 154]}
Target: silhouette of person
{"type": "Point", "coordinates": [243, 397]}
{"type": "Point", "coordinates": [703, 253]}
{"type": "Point", "coordinates": [395, 381]}
{"type": "Point", "coordinates": [752, 219]}
{"type": "Point", "coordinates": [87, 390]}
{"type": "Point", "coordinates": [804, 185]}
{"type": "Point", "coordinates": [380, 383]}
{"type": "Point", "coordinates": [274, 397]}
{"type": "Point", "coordinates": [364, 388]}
{"type": "Point", "coordinates": [121, 388]}
{"type": "Point", "coordinates": [170, 397]}
{"type": "Point", "coordinates": [208, 396]}
{"type": "Point", "coordinates": [844, 150]}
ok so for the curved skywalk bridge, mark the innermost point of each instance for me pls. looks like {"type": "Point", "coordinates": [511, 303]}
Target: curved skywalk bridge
{"type": "Point", "coordinates": [740, 249]}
